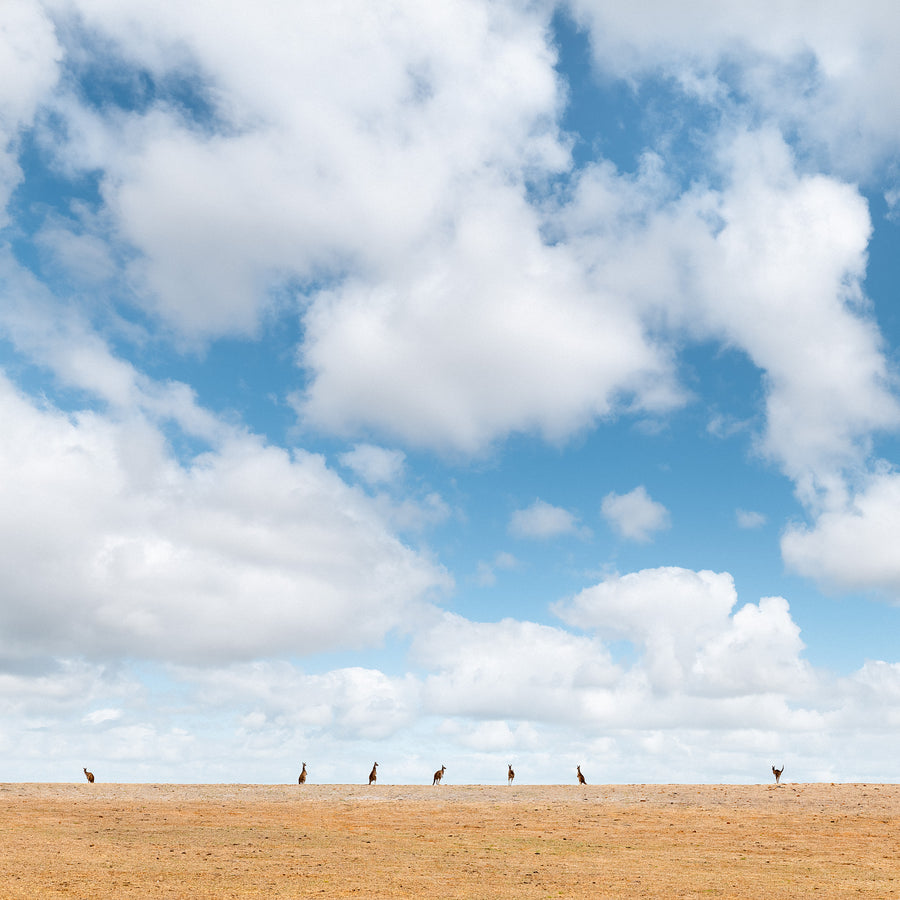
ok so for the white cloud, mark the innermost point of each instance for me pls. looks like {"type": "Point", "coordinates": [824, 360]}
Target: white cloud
{"type": "Point", "coordinates": [827, 77]}
{"type": "Point", "coordinates": [28, 71]}
{"type": "Point", "coordinates": [892, 199]}
{"type": "Point", "coordinates": [691, 639]}
{"type": "Point", "coordinates": [63, 340]}
{"type": "Point", "coordinates": [351, 703]}
{"type": "Point", "coordinates": [445, 307]}
{"type": "Point", "coordinates": [412, 514]}
{"type": "Point", "coordinates": [542, 520]}
{"type": "Point", "coordinates": [492, 736]}
{"type": "Point", "coordinates": [772, 264]}
{"type": "Point", "coordinates": [488, 331]}
{"type": "Point", "coordinates": [115, 548]}
{"type": "Point", "coordinates": [785, 284]}
{"type": "Point", "coordinates": [696, 659]}
{"type": "Point", "coordinates": [463, 322]}
{"type": "Point", "coordinates": [730, 663]}
{"type": "Point", "coordinates": [669, 611]}
{"type": "Point", "coordinates": [635, 515]}
{"type": "Point", "coordinates": [99, 716]}
{"type": "Point", "coordinates": [670, 599]}
{"type": "Point", "coordinates": [400, 116]}
{"type": "Point", "coordinates": [45, 690]}
{"type": "Point", "coordinates": [82, 258]}
{"type": "Point", "coordinates": [459, 113]}
{"type": "Point", "coordinates": [509, 669]}
{"type": "Point", "coordinates": [747, 518]}
{"type": "Point", "coordinates": [715, 691]}
{"type": "Point", "coordinates": [852, 546]}
{"type": "Point", "coordinates": [375, 465]}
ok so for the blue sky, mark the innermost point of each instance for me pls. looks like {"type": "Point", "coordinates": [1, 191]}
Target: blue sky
{"type": "Point", "coordinates": [465, 383]}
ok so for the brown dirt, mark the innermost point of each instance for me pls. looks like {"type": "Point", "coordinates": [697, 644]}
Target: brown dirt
{"type": "Point", "coordinates": [264, 841]}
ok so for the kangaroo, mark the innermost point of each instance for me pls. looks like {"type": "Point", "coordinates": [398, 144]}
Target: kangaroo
{"type": "Point", "coordinates": [777, 773]}
{"type": "Point", "coordinates": [89, 775]}
{"type": "Point", "coordinates": [580, 776]}
{"type": "Point", "coordinates": [439, 775]}
{"type": "Point", "coordinates": [373, 775]}
{"type": "Point", "coordinates": [510, 774]}
{"type": "Point", "coordinates": [302, 778]}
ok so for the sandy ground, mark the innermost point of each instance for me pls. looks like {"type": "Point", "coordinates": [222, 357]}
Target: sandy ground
{"type": "Point", "coordinates": [279, 841]}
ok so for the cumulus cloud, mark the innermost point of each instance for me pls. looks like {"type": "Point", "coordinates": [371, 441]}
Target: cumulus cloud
{"type": "Point", "coordinates": [729, 663]}
{"type": "Point", "coordinates": [29, 68]}
{"type": "Point", "coordinates": [459, 116]}
{"type": "Point", "coordinates": [351, 703]}
{"type": "Point", "coordinates": [669, 611]}
{"type": "Point", "coordinates": [519, 670]}
{"type": "Point", "coordinates": [542, 520]}
{"type": "Point", "coordinates": [852, 546]}
{"type": "Point", "coordinates": [772, 264]}
{"type": "Point", "coordinates": [694, 651]}
{"type": "Point", "coordinates": [634, 515]}
{"type": "Point", "coordinates": [713, 689]}
{"type": "Point", "coordinates": [793, 250]}
{"type": "Point", "coordinates": [491, 331]}
{"type": "Point", "coordinates": [826, 78]}
{"type": "Point", "coordinates": [114, 547]}
{"type": "Point", "coordinates": [412, 111]}
{"type": "Point", "coordinates": [691, 640]}
{"type": "Point", "coordinates": [639, 603]}
{"type": "Point", "coordinates": [375, 465]}
{"type": "Point", "coordinates": [464, 323]}
{"type": "Point", "coordinates": [406, 206]}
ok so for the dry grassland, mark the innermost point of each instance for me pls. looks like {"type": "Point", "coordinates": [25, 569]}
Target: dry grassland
{"type": "Point", "coordinates": [264, 841]}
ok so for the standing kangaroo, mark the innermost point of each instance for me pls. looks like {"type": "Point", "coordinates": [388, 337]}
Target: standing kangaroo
{"type": "Point", "coordinates": [89, 775]}
{"type": "Point", "coordinates": [302, 778]}
{"type": "Point", "coordinates": [777, 773]}
{"type": "Point", "coordinates": [510, 775]}
{"type": "Point", "coordinates": [580, 776]}
{"type": "Point", "coordinates": [373, 775]}
{"type": "Point", "coordinates": [439, 775]}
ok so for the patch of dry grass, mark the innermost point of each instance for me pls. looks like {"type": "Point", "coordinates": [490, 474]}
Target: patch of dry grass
{"type": "Point", "coordinates": [243, 841]}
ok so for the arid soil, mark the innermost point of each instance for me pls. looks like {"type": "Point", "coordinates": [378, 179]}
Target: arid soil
{"type": "Point", "coordinates": [264, 841]}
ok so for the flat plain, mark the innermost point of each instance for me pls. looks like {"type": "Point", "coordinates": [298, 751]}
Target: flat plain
{"type": "Point", "coordinates": [468, 841]}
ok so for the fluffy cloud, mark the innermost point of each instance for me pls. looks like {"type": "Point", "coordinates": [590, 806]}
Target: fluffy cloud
{"type": "Point", "coordinates": [852, 546]}
{"type": "Point", "coordinates": [691, 640]}
{"type": "Point", "coordinates": [375, 465]}
{"type": "Point", "coordinates": [399, 117]}
{"type": "Point", "coordinates": [405, 203]}
{"type": "Point", "coordinates": [542, 520]}
{"type": "Point", "coordinates": [786, 286]}
{"type": "Point", "coordinates": [491, 331]}
{"type": "Point", "coordinates": [696, 659]}
{"type": "Point", "coordinates": [352, 703]}
{"type": "Point", "coordinates": [713, 691]}
{"type": "Point", "coordinates": [772, 264]}
{"type": "Point", "coordinates": [28, 71]}
{"type": "Point", "coordinates": [827, 76]}
{"type": "Point", "coordinates": [729, 663]}
{"type": "Point", "coordinates": [520, 670]}
{"type": "Point", "coordinates": [673, 600]}
{"type": "Point", "coordinates": [634, 515]}
{"type": "Point", "coordinates": [464, 322]}
{"type": "Point", "coordinates": [114, 547]}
